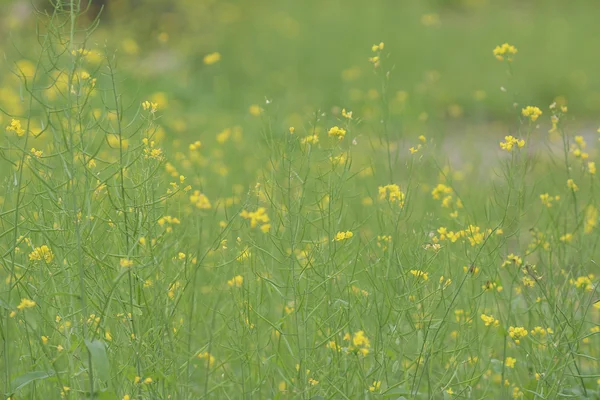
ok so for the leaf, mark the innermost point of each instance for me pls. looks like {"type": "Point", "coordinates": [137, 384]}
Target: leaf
{"type": "Point", "coordinates": [99, 358]}
{"type": "Point", "coordinates": [29, 377]}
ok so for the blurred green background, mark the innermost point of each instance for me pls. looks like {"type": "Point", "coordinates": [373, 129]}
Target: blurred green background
{"type": "Point", "coordinates": [312, 54]}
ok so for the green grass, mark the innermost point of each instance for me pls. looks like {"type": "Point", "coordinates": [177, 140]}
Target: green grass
{"type": "Point", "coordinates": [165, 234]}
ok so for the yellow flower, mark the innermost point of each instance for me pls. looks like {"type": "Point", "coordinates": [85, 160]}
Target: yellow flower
{"type": "Point", "coordinates": [517, 333]}
{"type": "Point", "coordinates": [377, 47]}
{"type": "Point", "coordinates": [125, 262]}
{"type": "Point", "coordinates": [510, 362]}
{"type": "Point", "coordinates": [236, 281]}
{"type": "Point", "coordinates": [509, 143]}
{"type": "Point", "coordinates": [531, 112]}
{"type": "Point", "coordinates": [572, 185]}
{"type": "Point", "coordinates": [41, 253]}
{"type": "Point", "coordinates": [392, 193]}
{"type": "Point", "coordinates": [566, 238]}
{"type": "Point", "coordinates": [375, 386]}
{"type": "Point", "coordinates": [36, 153]}
{"type": "Point", "coordinates": [505, 50]}
{"type": "Point", "coordinates": [311, 139]}
{"type": "Point", "coordinates": [592, 168]}
{"type": "Point", "coordinates": [15, 126]}
{"type": "Point", "coordinates": [26, 303]}
{"type": "Point", "coordinates": [147, 105]}
{"type": "Point", "coordinates": [313, 382]}
{"type": "Point", "coordinates": [257, 217]}
{"type": "Point", "coordinates": [337, 132]}
{"type": "Point", "coordinates": [208, 357]}
{"type": "Point", "coordinates": [343, 236]}
{"type": "Point", "coordinates": [489, 320]}
{"type": "Point", "coordinates": [212, 58]}
{"type": "Point", "coordinates": [420, 274]}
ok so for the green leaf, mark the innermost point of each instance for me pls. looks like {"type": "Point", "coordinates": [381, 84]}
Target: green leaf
{"type": "Point", "coordinates": [29, 377]}
{"type": "Point", "coordinates": [99, 358]}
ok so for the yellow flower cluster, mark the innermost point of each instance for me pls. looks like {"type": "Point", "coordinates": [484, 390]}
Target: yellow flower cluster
{"type": "Point", "coordinates": [577, 149]}
{"type": "Point", "coordinates": [343, 236]}
{"type": "Point", "coordinates": [258, 217]}
{"type": "Point", "coordinates": [510, 362]}
{"type": "Point", "coordinates": [445, 194]}
{"type": "Point", "coordinates": [151, 152]}
{"type": "Point", "coordinates": [510, 142]}
{"type": "Point", "coordinates": [383, 241]}
{"type": "Point", "coordinates": [26, 303]}
{"type": "Point", "coordinates": [310, 139]}
{"type": "Point", "coordinates": [531, 112]}
{"type": "Point", "coordinates": [591, 219]}
{"type": "Point", "coordinates": [15, 126]}
{"type": "Point", "coordinates": [517, 333]}
{"type": "Point", "coordinates": [392, 193]}
{"type": "Point", "coordinates": [583, 282]}
{"type": "Point", "coordinates": [359, 344]}
{"type": "Point", "coordinates": [472, 233]}
{"type": "Point", "coordinates": [169, 222]}
{"type": "Point", "coordinates": [41, 253]}
{"type": "Point", "coordinates": [541, 332]}
{"type": "Point", "coordinates": [572, 185]}
{"type": "Point", "coordinates": [126, 263]}
{"type": "Point", "coordinates": [419, 274]}
{"type": "Point", "coordinates": [489, 320]}
{"type": "Point", "coordinates": [337, 132]}
{"type": "Point", "coordinates": [375, 386]}
{"type": "Point", "coordinates": [148, 105]}
{"type": "Point", "coordinates": [505, 50]}
{"type": "Point", "coordinates": [547, 199]}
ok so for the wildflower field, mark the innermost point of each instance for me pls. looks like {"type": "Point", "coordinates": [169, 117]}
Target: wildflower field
{"type": "Point", "coordinates": [299, 200]}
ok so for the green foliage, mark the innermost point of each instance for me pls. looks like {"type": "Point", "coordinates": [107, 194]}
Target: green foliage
{"type": "Point", "coordinates": [260, 200]}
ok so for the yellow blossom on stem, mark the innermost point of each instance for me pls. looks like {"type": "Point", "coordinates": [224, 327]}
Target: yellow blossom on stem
{"type": "Point", "coordinates": [531, 112]}
{"type": "Point", "coordinates": [572, 185]}
{"type": "Point", "coordinates": [15, 126]}
{"type": "Point", "coordinates": [41, 253]}
{"type": "Point", "coordinates": [510, 362]}
{"type": "Point", "coordinates": [343, 236]}
{"type": "Point", "coordinates": [420, 274]}
{"type": "Point", "coordinates": [375, 386]}
{"type": "Point", "coordinates": [517, 333]}
{"type": "Point", "coordinates": [510, 142]}
{"type": "Point", "coordinates": [505, 50]}
{"type": "Point", "coordinates": [26, 303]}
{"type": "Point", "coordinates": [126, 263]}
{"type": "Point", "coordinates": [337, 132]}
